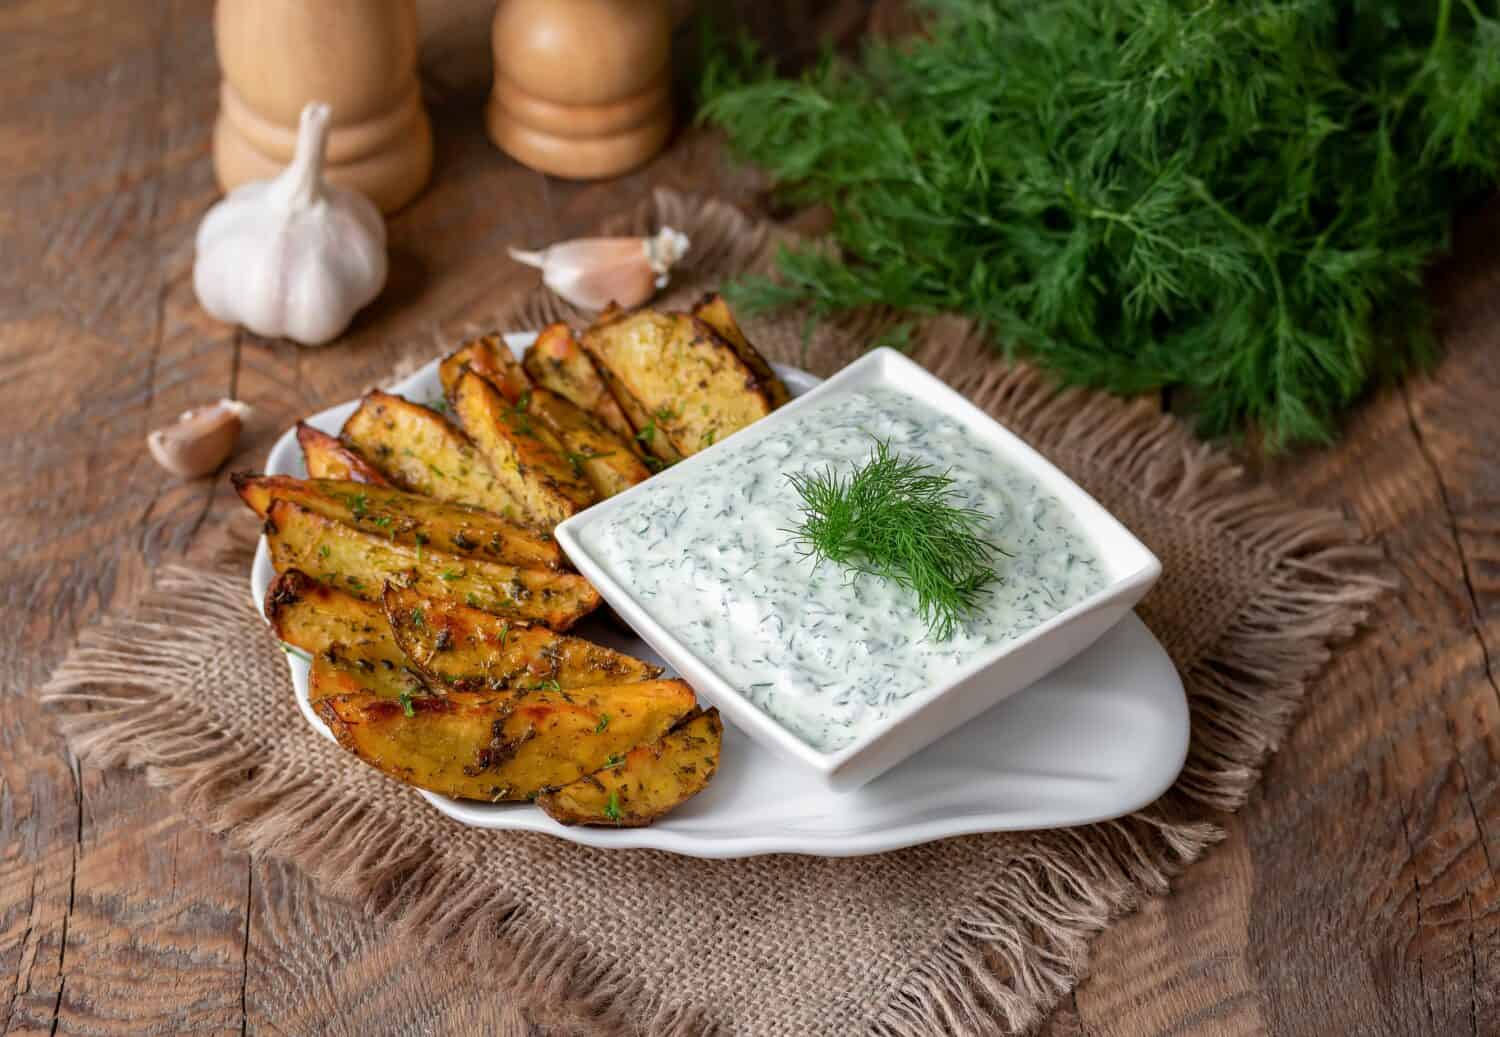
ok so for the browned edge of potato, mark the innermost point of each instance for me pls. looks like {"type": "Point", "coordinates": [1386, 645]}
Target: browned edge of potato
{"type": "Point", "coordinates": [680, 383]}
{"type": "Point", "coordinates": [522, 455]}
{"type": "Point", "coordinates": [557, 362]}
{"type": "Point", "coordinates": [406, 518]}
{"type": "Point", "coordinates": [499, 748]}
{"type": "Point", "coordinates": [638, 788]}
{"type": "Point", "coordinates": [468, 650]}
{"type": "Point", "coordinates": [327, 458]}
{"type": "Point", "coordinates": [607, 462]}
{"type": "Point", "coordinates": [361, 564]}
{"type": "Point", "coordinates": [489, 357]}
{"type": "Point", "coordinates": [714, 311]}
{"type": "Point", "coordinates": [324, 621]}
{"type": "Point", "coordinates": [420, 450]}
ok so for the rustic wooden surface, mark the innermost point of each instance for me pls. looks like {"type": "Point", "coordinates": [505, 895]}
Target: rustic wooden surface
{"type": "Point", "coordinates": [1356, 893]}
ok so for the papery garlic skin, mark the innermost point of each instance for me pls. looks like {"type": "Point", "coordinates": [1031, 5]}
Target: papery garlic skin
{"type": "Point", "coordinates": [591, 273]}
{"type": "Point", "coordinates": [293, 256]}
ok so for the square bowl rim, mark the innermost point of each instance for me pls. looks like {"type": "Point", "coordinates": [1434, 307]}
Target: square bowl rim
{"type": "Point", "coordinates": [873, 368]}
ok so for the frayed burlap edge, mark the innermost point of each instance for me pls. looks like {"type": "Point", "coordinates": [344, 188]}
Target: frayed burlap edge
{"type": "Point", "coordinates": [1013, 954]}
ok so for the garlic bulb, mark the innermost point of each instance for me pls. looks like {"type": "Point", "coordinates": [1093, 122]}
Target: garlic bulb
{"type": "Point", "coordinates": [200, 439]}
{"type": "Point", "coordinates": [292, 256]}
{"type": "Point", "coordinates": [591, 273]}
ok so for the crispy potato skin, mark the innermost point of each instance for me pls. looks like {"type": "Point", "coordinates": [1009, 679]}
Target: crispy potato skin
{"type": "Point", "coordinates": [714, 311]}
{"type": "Point", "coordinates": [557, 363]}
{"type": "Point", "coordinates": [503, 748]}
{"type": "Point", "coordinates": [648, 782]}
{"type": "Point", "coordinates": [420, 450]}
{"type": "Point", "coordinates": [327, 458]}
{"type": "Point", "coordinates": [465, 649]}
{"type": "Point", "coordinates": [329, 678]}
{"type": "Point", "coordinates": [489, 357]}
{"type": "Point", "coordinates": [361, 564]}
{"type": "Point", "coordinates": [406, 518]}
{"type": "Point", "coordinates": [679, 382]}
{"type": "Point", "coordinates": [323, 621]}
{"type": "Point", "coordinates": [607, 462]}
{"type": "Point", "coordinates": [522, 455]}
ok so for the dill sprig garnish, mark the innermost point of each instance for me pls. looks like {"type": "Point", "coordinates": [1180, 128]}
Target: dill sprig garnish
{"type": "Point", "coordinates": [901, 520]}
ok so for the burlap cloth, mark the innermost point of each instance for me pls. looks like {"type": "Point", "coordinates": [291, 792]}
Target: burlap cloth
{"type": "Point", "coordinates": [973, 935]}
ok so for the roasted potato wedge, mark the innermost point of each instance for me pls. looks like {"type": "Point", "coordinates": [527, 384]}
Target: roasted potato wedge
{"type": "Point", "coordinates": [327, 458]}
{"type": "Point", "coordinates": [557, 363]}
{"type": "Point", "coordinates": [499, 748]}
{"type": "Point", "coordinates": [359, 563]}
{"type": "Point", "coordinates": [679, 382]}
{"type": "Point", "coordinates": [521, 454]}
{"type": "Point", "coordinates": [714, 311]}
{"type": "Point", "coordinates": [645, 783]}
{"type": "Point", "coordinates": [468, 650]}
{"type": "Point", "coordinates": [324, 621]}
{"type": "Point", "coordinates": [489, 357]}
{"type": "Point", "coordinates": [608, 463]}
{"type": "Point", "coordinates": [406, 518]}
{"type": "Point", "coordinates": [391, 684]}
{"type": "Point", "coordinates": [420, 450]}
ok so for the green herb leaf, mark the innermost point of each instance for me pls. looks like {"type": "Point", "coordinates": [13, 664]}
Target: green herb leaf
{"type": "Point", "coordinates": [900, 520]}
{"type": "Point", "coordinates": [612, 761]}
{"type": "Point", "coordinates": [603, 723]}
{"type": "Point", "coordinates": [1235, 198]}
{"type": "Point", "coordinates": [449, 575]}
{"type": "Point", "coordinates": [612, 808]}
{"type": "Point", "coordinates": [418, 620]}
{"type": "Point", "coordinates": [406, 706]}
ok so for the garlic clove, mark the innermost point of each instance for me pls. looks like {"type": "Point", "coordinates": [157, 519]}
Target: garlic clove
{"type": "Point", "coordinates": [200, 440]}
{"type": "Point", "coordinates": [591, 273]}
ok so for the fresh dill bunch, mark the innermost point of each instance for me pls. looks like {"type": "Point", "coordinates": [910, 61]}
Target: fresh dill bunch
{"type": "Point", "coordinates": [1239, 199]}
{"type": "Point", "coordinates": [901, 520]}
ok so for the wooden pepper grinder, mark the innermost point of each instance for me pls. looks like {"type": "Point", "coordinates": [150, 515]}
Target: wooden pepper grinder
{"type": "Point", "coordinates": [582, 87]}
{"type": "Point", "coordinates": [358, 56]}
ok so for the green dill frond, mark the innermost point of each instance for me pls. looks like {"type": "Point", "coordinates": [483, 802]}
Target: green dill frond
{"type": "Point", "coordinates": [1239, 199]}
{"type": "Point", "coordinates": [901, 520]}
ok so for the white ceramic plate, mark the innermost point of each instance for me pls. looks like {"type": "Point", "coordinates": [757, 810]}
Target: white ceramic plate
{"type": "Point", "coordinates": [1103, 735]}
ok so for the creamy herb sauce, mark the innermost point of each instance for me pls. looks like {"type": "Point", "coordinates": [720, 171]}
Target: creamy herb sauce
{"type": "Point", "coordinates": [828, 657]}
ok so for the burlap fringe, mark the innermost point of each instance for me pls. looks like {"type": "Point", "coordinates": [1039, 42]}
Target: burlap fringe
{"type": "Point", "coordinates": [1020, 948]}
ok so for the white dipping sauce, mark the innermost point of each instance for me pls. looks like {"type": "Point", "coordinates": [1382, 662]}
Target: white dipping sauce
{"type": "Point", "coordinates": [826, 655]}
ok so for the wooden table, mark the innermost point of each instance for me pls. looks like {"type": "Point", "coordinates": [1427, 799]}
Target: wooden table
{"type": "Point", "coordinates": [1356, 893]}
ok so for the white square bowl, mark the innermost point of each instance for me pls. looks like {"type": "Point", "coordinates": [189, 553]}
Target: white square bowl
{"type": "Point", "coordinates": [928, 714]}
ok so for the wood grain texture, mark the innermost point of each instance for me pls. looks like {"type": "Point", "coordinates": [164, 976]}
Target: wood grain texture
{"type": "Point", "coordinates": [1356, 893]}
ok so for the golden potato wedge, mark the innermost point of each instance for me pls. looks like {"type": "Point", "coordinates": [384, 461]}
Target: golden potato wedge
{"type": "Point", "coordinates": [679, 382]}
{"type": "Point", "coordinates": [420, 450]}
{"type": "Point", "coordinates": [489, 357]}
{"type": "Point", "coordinates": [328, 678]}
{"type": "Point", "coordinates": [556, 362]}
{"type": "Point", "coordinates": [714, 311]}
{"type": "Point", "coordinates": [520, 453]}
{"type": "Point", "coordinates": [469, 650]}
{"type": "Point", "coordinates": [502, 747]}
{"type": "Point", "coordinates": [324, 621]}
{"type": "Point", "coordinates": [406, 518]}
{"type": "Point", "coordinates": [359, 563]}
{"type": "Point", "coordinates": [327, 458]}
{"type": "Point", "coordinates": [608, 463]}
{"type": "Point", "coordinates": [635, 789]}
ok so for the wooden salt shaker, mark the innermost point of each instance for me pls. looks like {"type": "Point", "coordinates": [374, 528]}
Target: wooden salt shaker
{"type": "Point", "coordinates": [358, 56]}
{"type": "Point", "coordinates": [582, 87]}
